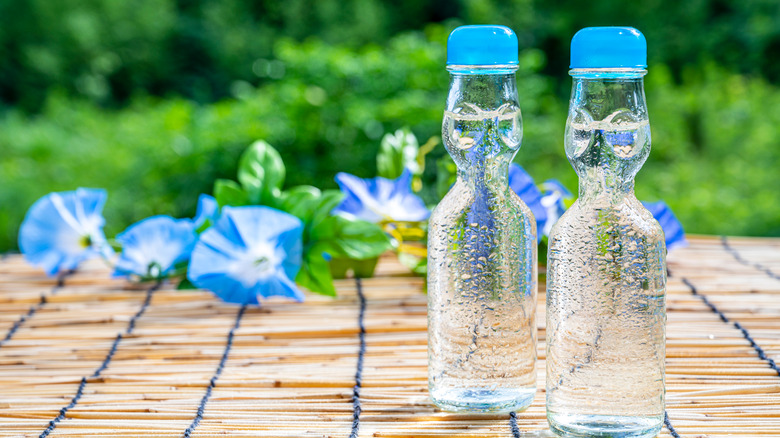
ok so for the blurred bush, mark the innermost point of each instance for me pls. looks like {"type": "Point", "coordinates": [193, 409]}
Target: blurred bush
{"type": "Point", "coordinates": [325, 108]}
{"type": "Point", "coordinates": [153, 100]}
{"type": "Point", "coordinates": [716, 150]}
{"type": "Point", "coordinates": [107, 51]}
{"type": "Point", "coordinates": [714, 156]}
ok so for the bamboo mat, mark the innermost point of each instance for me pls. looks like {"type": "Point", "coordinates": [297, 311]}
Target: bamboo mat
{"type": "Point", "coordinates": [97, 357]}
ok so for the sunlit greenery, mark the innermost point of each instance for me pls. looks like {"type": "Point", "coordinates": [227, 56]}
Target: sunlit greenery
{"type": "Point", "coordinates": [155, 101]}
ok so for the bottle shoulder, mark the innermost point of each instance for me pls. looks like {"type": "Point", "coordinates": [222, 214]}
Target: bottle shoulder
{"type": "Point", "coordinates": [503, 204]}
{"type": "Point", "coordinates": [629, 216]}
{"type": "Point", "coordinates": [460, 196]}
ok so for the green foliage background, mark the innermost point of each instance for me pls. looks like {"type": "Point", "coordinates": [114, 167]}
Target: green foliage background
{"type": "Point", "coordinates": [154, 100]}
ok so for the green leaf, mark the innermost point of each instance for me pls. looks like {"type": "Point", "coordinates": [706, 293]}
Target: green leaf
{"type": "Point", "coordinates": [315, 273]}
{"type": "Point", "coordinates": [204, 226]}
{"type": "Point", "coordinates": [228, 192]}
{"type": "Point", "coordinates": [353, 239]}
{"type": "Point", "coordinates": [418, 265]}
{"type": "Point", "coordinates": [361, 239]}
{"type": "Point", "coordinates": [365, 268]}
{"type": "Point", "coordinates": [396, 152]}
{"type": "Point", "coordinates": [424, 150]}
{"type": "Point", "coordinates": [340, 267]}
{"type": "Point", "coordinates": [300, 201]}
{"type": "Point", "coordinates": [261, 172]}
{"type": "Point", "coordinates": [446, 175]}
{"type": "Point", "coordinates": [329, 200]}
{"type": "Point", "coordinates": [186, 284]}
{"type": "Point", "coordinates": [324, 233]}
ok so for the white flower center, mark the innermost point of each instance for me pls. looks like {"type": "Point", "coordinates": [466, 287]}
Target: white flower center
{"type": "Point", "coordinates": [85, 229]}
{"type": "Point", "coordinates": [387, 210]}
{"type": "Point", "coordinates": [258, 263]}
{"type": "Point", "coordinates": [86, 241]}
{"type": "Point", "coordinates": [263, 266]}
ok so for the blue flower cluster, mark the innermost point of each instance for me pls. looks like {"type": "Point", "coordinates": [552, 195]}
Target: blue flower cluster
{"type": "Point", "coordinates": [243, 251]}
{"type": "Point", "coordinates": [381, 199]}
{"type": "Point", "coordinates": [246, 253]}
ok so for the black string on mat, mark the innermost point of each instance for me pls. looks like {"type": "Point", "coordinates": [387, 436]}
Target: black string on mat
{"type": "Point", "coordinates": [80, 391]}
{"type": "Point", "coordinates": [669, 426]}
{"type": "Point", "coordinates": [73, 402]}
{"type": "Point", "coordinates": [34, 308]}
{"type": "Point", "coordinates": [213, 382]}
{"type": "Point", "coordinates": [745, 333]}
{"type": "Point", "coordinates": [357, 409]}
{"type": "Point", "coordinates": [725, 241]}
{"type": "Point", "coordinates": [513, 425]}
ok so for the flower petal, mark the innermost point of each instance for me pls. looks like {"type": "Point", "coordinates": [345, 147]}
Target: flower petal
{"type": "Point", "coordinates": [208, 209]}
{"type": "Point", "coordinates": [158, 241]}
{"type": "Point", "coordinates": [674, 235]}
{"type": "Point", "coordinates": [290, 251]}
{"type": "Point", "coordinates": [226, 287]}
{"type": "Point", "coordinates": [522, 184]}
{"type": "Point", "coordinates": [555, 186]}
{"type": "Point", "coordinates": [63, 229]}
{"type": "Point", "coordinates": [279, 285]}
{"type": "Point", "coordinates": [250, 252]}
{"type": "Point", "coordinates": [380, 199]}
{"type": "Point", "coordinates": [553, 202]}
{"type": "Point", "coordinates": [261, 224]}
{"type": "Point", "coordinates": [409, 207]}
{"type": "Point", "coordinates": [358, 197]}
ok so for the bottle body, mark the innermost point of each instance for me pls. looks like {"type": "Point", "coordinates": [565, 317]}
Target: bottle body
{"type": "Point", "coordinates": [482, 258]}
{"type": "Point", "coordinates": [606, 274]}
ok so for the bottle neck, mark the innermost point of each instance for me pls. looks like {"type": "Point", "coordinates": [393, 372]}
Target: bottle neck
{"type": "Point", "coordinates": [487, 87]}
{"type": "Point", "coordinates": [602, 92]}
{"type": "Point", "coordinates": [603, 187]}
{"type": "Point", "coordinates": [607, 133]}
{"type": "Point", "coordinates": [482, 127]}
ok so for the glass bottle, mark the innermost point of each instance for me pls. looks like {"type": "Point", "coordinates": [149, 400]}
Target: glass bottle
{"type": "Point", "coordinates": [606, 276]}
{"type": "Point", "coordinates": [482, 238]}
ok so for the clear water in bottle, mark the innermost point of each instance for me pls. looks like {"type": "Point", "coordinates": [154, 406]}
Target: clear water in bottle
{"type": "Point", "coordinates": [482, 258]}
{"type": "Point", "coordinates": [606, 277]}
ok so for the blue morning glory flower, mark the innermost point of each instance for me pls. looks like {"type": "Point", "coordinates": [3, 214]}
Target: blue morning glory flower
{"type": "Point", "coordinates": [208, 209]}
{"type": "Point", "coordinates": [153, 247]}
{"type": "Point", "coordinates": [522, 184]}
{"type": "Point", "coordinates": [380, 199]}
{"type": "Point", "coordinates": [673, 230]}
{"type": "Point", "coordinates": [63, 229]}
{"type": "Point", "coordinates": [553, 196]}
{"type": "Point", "coordinates": [249, 252]}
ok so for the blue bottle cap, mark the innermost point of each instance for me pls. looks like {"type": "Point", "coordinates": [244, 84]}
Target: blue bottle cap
{"type": "Point", "coordinates": [482, 45]}
{"type": "Point", "coordinates": [608, 47]}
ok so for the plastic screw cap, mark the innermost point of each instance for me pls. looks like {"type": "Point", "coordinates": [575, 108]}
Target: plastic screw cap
{"type": "Point", "coordinates": [482, 45]}
{"type": "Point", "coordinates": [608, 47]}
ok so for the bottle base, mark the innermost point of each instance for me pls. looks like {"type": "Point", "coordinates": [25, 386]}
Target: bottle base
{"type": "Point", "coordinates": [613, 426]}
{"type": "Point", "coordinates": [483, 400]}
